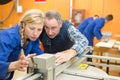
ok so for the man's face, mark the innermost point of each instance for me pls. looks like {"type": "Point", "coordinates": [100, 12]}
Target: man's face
{"type": "Point", "coordinates": [32, 31]}
{"type": "Point", "coordinates": [52, 27]}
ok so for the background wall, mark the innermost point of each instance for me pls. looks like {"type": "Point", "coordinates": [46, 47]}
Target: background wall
{"type": "Point", "coordinates": [100, 7]}
{"type": "Point", "coordinates": [59, 5]}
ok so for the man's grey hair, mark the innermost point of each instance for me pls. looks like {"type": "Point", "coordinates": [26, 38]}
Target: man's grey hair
{"type": "Point", "coordinates": [53, 14]}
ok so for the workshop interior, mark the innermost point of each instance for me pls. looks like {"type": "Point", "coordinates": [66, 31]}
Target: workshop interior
{"type": "Point", "coordinates": [105, 56]}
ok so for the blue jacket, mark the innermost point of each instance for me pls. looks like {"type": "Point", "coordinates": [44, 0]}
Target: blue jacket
{"type": "Point", "coordinates": [84, 24]}
{"type": "Point", "coordinates": [10, 49]}
{"type": "Point", "coordinates": [94, 30]}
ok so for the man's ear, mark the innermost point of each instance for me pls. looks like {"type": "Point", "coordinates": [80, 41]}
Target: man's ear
{"type": "Point", "coordinates": [60, 24]}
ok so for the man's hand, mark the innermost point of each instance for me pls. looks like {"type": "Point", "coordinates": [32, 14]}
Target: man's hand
{"type": "Point", "coordinates": [65, 56]}
{"type": "Point", "coordinates": [104, 39]}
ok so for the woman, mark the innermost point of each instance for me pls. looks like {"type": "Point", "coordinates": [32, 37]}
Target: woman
{"type": "Point", "coordinates": [19, 41]}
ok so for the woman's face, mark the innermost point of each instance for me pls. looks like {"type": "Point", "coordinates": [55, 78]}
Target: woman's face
{"type": "Point", "coordinates": [33, 31]}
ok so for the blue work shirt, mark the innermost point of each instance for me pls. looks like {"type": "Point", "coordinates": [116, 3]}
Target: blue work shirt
{"type": "Point", "coordinates": [10, 47]}
{"type": "Point", "coordinates": [94, 30]}
{"type": "Point", "coordinates": [84, 24]}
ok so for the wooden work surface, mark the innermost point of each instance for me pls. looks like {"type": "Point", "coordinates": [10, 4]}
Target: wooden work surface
{"type": "Point", "coordinates": [111, 46]}
{"type": "Point", "coordinates": [110, 50]}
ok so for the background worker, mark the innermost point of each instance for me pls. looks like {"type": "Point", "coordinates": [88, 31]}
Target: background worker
{"type": "Point", "coordinates": [19, 43]}
{"type": "Point", "coordinates": [60, 37]}
{"type": "Point", "coordinates": [94, 29]}
{"type": "Point", "coordinates": [85, 22]}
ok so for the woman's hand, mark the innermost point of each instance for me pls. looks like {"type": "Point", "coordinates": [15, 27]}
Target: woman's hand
{"type": "Point", "coordinates": [30, 55]}
{"type": "Point", "coordinates": [21, 64]}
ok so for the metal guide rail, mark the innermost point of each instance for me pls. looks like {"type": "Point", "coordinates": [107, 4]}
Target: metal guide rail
{"type": "Point", "coordinates": [43, 67]}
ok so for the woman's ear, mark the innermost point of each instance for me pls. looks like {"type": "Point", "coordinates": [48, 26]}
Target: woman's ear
{"type": "Point", "coordinates": [23, 24]}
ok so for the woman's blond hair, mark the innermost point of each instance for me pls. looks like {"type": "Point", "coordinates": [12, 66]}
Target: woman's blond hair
{"type": "Point", "coordinates": [33, 16]}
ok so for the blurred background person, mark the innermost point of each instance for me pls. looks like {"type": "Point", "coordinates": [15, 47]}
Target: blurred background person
{"type": "Point", "coordinates": [94, 29]}
{"type": "Point", "coordinates": [85, 22]}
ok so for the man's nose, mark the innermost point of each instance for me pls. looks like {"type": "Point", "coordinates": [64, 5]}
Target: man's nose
{"type": "Point", "coordinates": [50, 32]}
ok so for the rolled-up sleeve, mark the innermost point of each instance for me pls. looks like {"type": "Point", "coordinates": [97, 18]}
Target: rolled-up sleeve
{"type": "Point", "coordinates": [80, 41]}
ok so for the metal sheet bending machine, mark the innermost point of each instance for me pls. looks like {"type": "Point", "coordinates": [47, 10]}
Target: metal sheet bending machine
{"type": "Point", "coordinates": [43, 67]}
